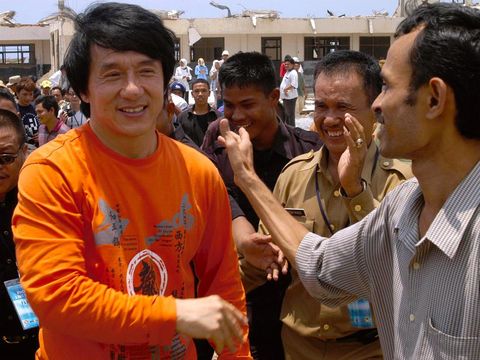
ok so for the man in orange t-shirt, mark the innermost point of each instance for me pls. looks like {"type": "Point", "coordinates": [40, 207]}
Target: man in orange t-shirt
{"type": "Point", "coordinates": [115, 220]}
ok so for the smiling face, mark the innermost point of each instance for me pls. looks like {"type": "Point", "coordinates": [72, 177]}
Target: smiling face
{"type": "Point", "coordinates": [45, 116]}
{"type": "Point", "coordinates": [25, 97]}
{"type": "Point", "coordinates": [250, 108]}
{"type": "Point", "coordinates": [402, 132]}
{"type": "Point", "coordinates": [125, 92]}
{"type": "Point", "coordinates": [335, 95]}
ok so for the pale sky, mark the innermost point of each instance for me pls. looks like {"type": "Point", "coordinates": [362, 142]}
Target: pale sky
{"type": "Point", "coordinates": [31, 11]}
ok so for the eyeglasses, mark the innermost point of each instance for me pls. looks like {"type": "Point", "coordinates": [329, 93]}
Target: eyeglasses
{"type": "Point", "coordinates": [7, 159]}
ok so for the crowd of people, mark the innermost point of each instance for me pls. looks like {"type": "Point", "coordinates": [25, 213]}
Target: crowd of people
{"type": "Point", "coordinates": [137, 226]}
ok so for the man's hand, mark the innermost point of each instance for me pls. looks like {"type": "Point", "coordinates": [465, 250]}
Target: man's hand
{"type": "Point", "coordinates": [240, 152]}
{"type": "Point", "coordinates": [351, 162]}
{"type": "Point", "coordinates": [260, 252]}
{"type": "Point", "coordinates": [211, 318]}
{"type": "Point", "coordinates": [63, 117]}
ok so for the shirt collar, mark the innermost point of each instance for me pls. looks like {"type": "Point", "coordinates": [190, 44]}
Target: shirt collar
{"type": "Point", "coordinates": [452, 221]}
{"type": "Point", "coordinates": [450, 224]}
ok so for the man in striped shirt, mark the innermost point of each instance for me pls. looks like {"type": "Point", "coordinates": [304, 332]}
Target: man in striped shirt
{"type": "Point", "coordinates": [416, 257]}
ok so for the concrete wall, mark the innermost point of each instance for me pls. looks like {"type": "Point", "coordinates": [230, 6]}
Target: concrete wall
{"type": "Point", "coordinates": [37, 35]}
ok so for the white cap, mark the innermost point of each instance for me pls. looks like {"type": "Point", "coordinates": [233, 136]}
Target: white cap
{"type": "Point", "coordinates": [296, 59]}
{"type": "Point", "coordinates": [225, 52]}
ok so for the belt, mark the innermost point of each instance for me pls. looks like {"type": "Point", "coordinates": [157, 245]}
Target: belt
{"type": "Point", "coordinates": [363, 336]}
{"type": "Point", "coordinates": [17, 339]}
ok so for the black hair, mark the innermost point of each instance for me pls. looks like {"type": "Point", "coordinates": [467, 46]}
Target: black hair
{"type": "Point", "coordinates": [199, 81]}
{"type": "Point", "coordinates": [48, 102]}
{"type": "Point", "coordinates": [121, 27]}
{"type": "Point", "coordinates": [58, 88]}
{"type": "Point", "coordinates": [248, 69]}
{"type": "Point", "coordinates": [448, 46]}
{"type": "Point", "coordinates": [9, 119]}
{"type": "Point", "coordinates": [343, 61]}
{"type": "Point", "coordinates": [6, 94]}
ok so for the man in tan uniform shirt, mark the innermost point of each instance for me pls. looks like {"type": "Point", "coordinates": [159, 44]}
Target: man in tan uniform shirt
{"type": "Point", "coordinates": [346, 83]}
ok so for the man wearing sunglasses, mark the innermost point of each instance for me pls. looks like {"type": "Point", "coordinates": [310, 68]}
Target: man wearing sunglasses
{"type": "Point", "coordinates": [15, 343]}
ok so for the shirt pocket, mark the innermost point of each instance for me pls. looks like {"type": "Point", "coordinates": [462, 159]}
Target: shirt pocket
{"type": "Point", "coordinates": [450, 347]}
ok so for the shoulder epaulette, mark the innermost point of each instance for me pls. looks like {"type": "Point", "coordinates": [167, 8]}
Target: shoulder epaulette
{"type": "Point", "coordinates": [300, 158]}
{"type": "Point", "coordinates": [404, 167]}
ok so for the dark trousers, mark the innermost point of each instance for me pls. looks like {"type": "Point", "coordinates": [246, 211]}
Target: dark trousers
{"type": "Point", "coordinates": [18, 349]}
{"type": "Point", "coordinates": [289, 105]}
{"type": "Point", "coordinates": [263, 309]}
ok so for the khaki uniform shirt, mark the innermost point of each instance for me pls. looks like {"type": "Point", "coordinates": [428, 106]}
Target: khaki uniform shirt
{"type": "Point", "coordinates": [295, 188]}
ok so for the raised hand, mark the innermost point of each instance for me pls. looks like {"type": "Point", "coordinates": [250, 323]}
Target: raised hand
{"type": "Point", "coordinates": [351, 162]}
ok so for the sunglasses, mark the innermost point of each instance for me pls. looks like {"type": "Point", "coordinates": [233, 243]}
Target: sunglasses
{"type": "Point", "coordinates": [7, 159]}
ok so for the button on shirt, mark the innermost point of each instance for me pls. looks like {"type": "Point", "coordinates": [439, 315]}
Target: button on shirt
{"type": "Point", "coordinates": [425, 311]}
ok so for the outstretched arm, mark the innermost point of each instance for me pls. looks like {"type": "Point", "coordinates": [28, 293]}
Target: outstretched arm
{"type": "Point", "coordinates": [285, 230]}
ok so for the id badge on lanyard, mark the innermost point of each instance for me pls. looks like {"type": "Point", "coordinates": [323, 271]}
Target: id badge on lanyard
{"type": "Point", "coordinates": [360, 314]}
{"type": "Point", "coordinates": [27, 317]}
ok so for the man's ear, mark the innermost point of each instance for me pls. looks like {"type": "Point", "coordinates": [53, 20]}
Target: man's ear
{"type": "Point", "coordinates": [275, 95]}
{"type": "Point", "coordinates": [437, 97]}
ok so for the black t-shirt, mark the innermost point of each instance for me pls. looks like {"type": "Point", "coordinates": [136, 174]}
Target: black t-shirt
{"type": "Point", "coordinates": [30, 121]}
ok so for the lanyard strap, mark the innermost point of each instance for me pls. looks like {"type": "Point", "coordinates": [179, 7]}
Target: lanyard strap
{"type": "Point", "coordinates": [320, 205]}
{"type": "Point", "coordinates": [319, 200]}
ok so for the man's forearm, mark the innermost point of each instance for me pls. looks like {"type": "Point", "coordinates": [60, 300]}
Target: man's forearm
{"type": "Point", "coordinates": [286, 232]}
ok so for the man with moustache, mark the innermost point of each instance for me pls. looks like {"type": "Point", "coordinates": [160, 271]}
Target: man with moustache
{"type": "Point", "coordinates": [326, 198]}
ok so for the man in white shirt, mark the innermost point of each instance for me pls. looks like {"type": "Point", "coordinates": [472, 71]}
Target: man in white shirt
{"type": "Point", "coordinates": [288, 91]}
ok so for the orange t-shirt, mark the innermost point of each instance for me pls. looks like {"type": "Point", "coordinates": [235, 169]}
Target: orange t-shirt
{"type": "Point", "coordinates": [105, 243]}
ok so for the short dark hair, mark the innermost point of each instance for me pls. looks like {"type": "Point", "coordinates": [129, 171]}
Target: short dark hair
{"type": "Point", "coordinates": [58, 88]}
{"type": "Point", "coordinates": [248, 69]}
{"type": "Point", "coordinates": [364, 65]}
{"type": "Point", "coordinates": [448, 47]}
{"type": "Point", "coordinates": [199, 81]}
{"type": "Point", "coordinates": [6, 94]}
{"type": "Point", "coordinates": [11, 120]}
{"type": "Point", "coordinates": [121, 27]}
{"type": "Point", "coordinates": [25, 84]}
{"type": "Point", "coordinates": [48, 102]}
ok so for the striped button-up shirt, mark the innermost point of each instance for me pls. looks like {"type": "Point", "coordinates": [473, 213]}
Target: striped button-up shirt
{"type": "Point", "coordinates": [425, 291]}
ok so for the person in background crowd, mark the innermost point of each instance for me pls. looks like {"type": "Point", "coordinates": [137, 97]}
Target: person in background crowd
{"type": "Point", "coordinates": [15, 342]}
{"type": "Point", "coordinates": [283, 68]}
{"type": "Point", "coordinates": [51, 126]}
{"type": "Point", "coordinates": [12, 83]}
{"type": "Point", "coordinates": [74, 115]}
{"type": "Point", "coordinates": [178, 89]}
{"type": "Point", "coordinates": [201, 70]}
{"type": "Point", "coordinates": [225, 55]}
{"type": "Point", "coordinates": [288, 91]}
{"type": "Point", "coordinates": [45, 87]}
{"type": "Point", "coordinates": [183, 74]}
{"type": "Point", "coordinates": [126, 217]}
{"type": "Point", "coordinates": [24, 91]}
{"type": "Point", "coordinates": [300, 104]}
{"type": "Point", "coordinates": [416, 256]}
{"type": "Point", "coordinates": [214, 81]}
{"type": "Point", "coordinates": [195, 120]}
